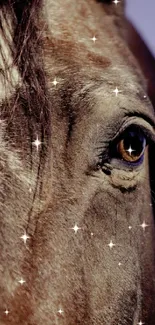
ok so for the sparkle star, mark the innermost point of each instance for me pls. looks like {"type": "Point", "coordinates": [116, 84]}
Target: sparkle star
{"type": "Point", "coordinates": [25, 237]}
{"type": "Point", "coordinates": [6, 312]}
{"type": "Point", "coordinates": [21, 281]}
{"type": "Point", "coordinates": [130, 227]}
{"type": "Point", "coordinates": [55, 82]}
{"type": "Point", "coordinates": [75, 228]}
{"type": "Point", "coordinates": [111, 244]}
{"type": "Point", "coordinates": [116, 2]}
{"type": "Point", "coordinates": [130, 150]}
{"type": "Point", "coordinates": [94, 39]}
{"type": "Point", "coordinates": [140, 323]}
{"type": "Point", "coordinates": [116, 91]}
{"type": "Point", "coordinates": [144, 225]}
{"type": "Point", "coordinates": [60, 311]}
{"type": "Point", "coordinates": [37, 143]}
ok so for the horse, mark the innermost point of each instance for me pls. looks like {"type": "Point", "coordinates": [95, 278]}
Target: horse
{"type": "Point", "coordinates": [77, 131]}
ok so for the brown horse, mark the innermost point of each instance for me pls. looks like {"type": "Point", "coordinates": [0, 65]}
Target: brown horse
{"type": "Point", "coordinates": [76, 191]}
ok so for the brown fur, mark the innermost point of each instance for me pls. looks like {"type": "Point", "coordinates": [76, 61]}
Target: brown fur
{"type": "Point", "coordinates": [75, 121]}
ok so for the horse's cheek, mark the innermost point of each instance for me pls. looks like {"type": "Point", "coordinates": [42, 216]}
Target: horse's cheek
{"type": "Point", "coordinates": [81, 270]}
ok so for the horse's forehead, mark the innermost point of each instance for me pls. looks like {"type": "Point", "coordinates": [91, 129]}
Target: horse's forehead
{"type": "Point", "coordinates": [72, 31]}
{"type": "Point", "coordinates": [69, 19]}
{"type": "Point", "coordinates": [74, 38]}
{"type": "Point", "coordinates": [73, 34]}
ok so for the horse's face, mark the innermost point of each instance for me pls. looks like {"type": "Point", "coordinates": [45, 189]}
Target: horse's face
{"type": "Point", "coordinates": [81, 197]}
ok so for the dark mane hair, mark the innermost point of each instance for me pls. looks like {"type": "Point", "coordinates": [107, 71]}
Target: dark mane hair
{"type": "Point", "coordinates": [30, 101]}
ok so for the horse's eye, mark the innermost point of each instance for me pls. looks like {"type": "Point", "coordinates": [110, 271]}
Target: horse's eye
{"type": "Point", "coordinates": [131, 145]}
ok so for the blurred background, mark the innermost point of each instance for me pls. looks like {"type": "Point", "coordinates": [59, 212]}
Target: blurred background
{"type": "Point", "coordinates": [141, 14]}
{"type": "Point", "coordinates": [141, 38]}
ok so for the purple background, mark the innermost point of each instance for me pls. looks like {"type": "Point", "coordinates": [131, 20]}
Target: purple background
{"type": "Point", "coordinates": [142, 15]}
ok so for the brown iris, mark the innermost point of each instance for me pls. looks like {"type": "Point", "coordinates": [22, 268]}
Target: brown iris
{"type": "Point", "coordinates": [132, 145]}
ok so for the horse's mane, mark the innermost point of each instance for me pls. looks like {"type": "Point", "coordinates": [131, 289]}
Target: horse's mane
{"type": "Point", "coordinates": [29, 103]}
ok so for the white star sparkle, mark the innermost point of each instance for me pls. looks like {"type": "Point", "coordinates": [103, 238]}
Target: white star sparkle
{"type": "Point", "coordinates": [116, 91]}
{"type": "Point", "coordinates": [116, 2]}
{"type": "Point", "coordinates": [25, 237]}
{"type": "Point", "coordinates": [144, 225]}
{"type": "Point", "coordinates": [140, 323]}
{"type": "Point", "coordinates": [119, 264]}
{"type": "Point", "coordinates": [6, 312]}
{"type": "Point", "coordinates": [130, 227]}
{"type": "Point", "coordinates": [130, 150]}
{"type": "Point", "coordinates": [21, 281]}
{"type": "Point", "coordinates": [76, 228]}
{"type": "Point", "coordinates": [111, 244]}
{"type": "Point", "coordinates": [55, 82]}
{"type": "Point", "coordinates": [60, 311]}
{"type": "Point", "coordinates": [37, 143]}
{"type": "Point", "coordinates": [94, 39]}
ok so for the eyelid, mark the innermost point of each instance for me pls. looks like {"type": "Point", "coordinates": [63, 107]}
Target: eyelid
{"type": "Point", "coordinates": [139, 122]}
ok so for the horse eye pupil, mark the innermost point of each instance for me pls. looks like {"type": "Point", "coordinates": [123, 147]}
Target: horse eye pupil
{"type": "Point", "coordinates": [134, 141]}
{"type": "Point", "coordinates": [131, 145]}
